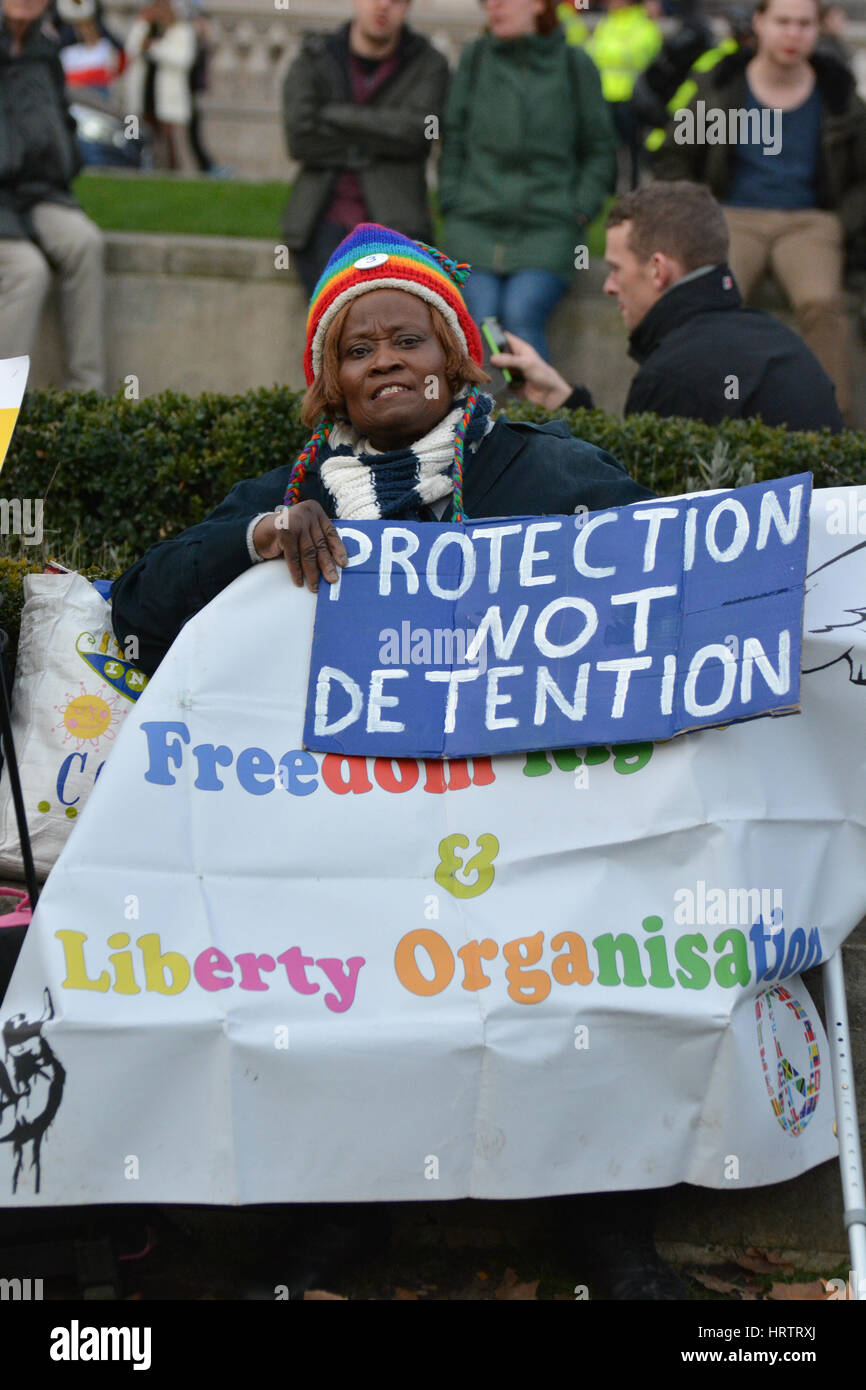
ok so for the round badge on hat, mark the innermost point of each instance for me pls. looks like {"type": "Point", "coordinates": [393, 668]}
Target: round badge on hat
{"type": "Point", "coordinates": [370, 262]}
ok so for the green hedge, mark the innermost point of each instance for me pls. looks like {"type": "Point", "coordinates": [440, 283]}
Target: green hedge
{"type": "Point", "coordinates": [118, 475]}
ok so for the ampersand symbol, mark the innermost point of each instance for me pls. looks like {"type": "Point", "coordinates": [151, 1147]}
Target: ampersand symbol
{"type": "Point", "coordinates": [481, 864]}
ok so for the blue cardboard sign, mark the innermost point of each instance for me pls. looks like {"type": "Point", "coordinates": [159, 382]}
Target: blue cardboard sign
{"type": "Point", "coordinates": [518, 633]}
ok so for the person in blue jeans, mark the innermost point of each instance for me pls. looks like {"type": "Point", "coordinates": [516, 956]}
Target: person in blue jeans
{"type": "Point", "coordinates": [524, 301]}
{"type": "Point", "coordinates": [528, 156]}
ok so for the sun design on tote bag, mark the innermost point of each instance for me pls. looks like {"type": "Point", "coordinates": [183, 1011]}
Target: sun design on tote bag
{"type": "Point", "coordinates": [88, 717]}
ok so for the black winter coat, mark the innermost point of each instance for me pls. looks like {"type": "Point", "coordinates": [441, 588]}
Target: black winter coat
{"type": "Point", "coordinates": [38, 147]}
{"type": "Point", "coordinates": [386, 141]}
{"type": "Point", "coordinates": [704, 356]}
{"type": "Point", "coordinates": [518, 470]}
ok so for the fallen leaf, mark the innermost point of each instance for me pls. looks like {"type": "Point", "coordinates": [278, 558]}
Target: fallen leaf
{"type": "Point", "coordinates": [715, 1285]}
{"type": "Point", "coordinates": [322, 1293]}
{"type": "Point", "coordinates": [764, 1262]}
{"type": "Point", "coordinates": [510, 1288]}
{"type": "Point", "coordinates": [813, 1292]}
{"type": "Point", "coordinates": [766, 1254]}
{"type": "Point", "coordinates": [404, 1296]}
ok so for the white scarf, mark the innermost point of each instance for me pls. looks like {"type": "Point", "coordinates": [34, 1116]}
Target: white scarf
{"type": "Point", "coordinates": [361, 486]}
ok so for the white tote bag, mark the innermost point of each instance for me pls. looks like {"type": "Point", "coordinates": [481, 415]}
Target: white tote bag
{"type": "Point", "coordinates": [73, 689]}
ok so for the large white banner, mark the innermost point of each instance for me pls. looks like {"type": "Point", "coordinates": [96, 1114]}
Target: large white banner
{"type": "Point", "coordinates": [258, 974]}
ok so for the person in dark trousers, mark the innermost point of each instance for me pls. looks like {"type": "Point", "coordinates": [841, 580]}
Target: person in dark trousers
{"type": "Point", "coordinates": [701, 354]}
{"type": "Point", "coordinates": [198, 82]}
{"type": "Point", "coordinates": [361, 108]}
{"type": "Point", "coordinates": [43, 231]}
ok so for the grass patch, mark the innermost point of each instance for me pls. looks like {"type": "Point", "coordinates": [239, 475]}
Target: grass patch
{"type": "Point", "coordinates": [215, 207]}
{"type": "Point", "coordinates": [186, 207]}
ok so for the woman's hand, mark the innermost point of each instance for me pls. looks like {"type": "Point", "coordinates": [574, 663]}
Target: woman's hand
{"type": "Point", "coordinates": [307, 538]}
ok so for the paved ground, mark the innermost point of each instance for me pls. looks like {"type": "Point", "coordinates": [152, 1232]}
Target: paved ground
{"type": "Point", "coordinates": [431, 1255]}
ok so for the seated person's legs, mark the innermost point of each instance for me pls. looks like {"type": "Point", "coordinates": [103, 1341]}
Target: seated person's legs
{"type": "Point", "coordinates": [74, 247]}
{"type": "Point", "coordinates": [483, 293]}
{"type": "Point", "coordinates": [530, 298]}
{"type": "Point", "coordinates": [311, 260]}
{"type": "Point", "coordinates": [749, 255]}
{"type": "Point", "coordinates": [24, 280]}
{"type": "Point", "coordinates": [808, 261]}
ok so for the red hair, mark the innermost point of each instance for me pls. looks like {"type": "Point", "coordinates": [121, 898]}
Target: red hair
{"type": "Point", "coordinates": [547, 21]}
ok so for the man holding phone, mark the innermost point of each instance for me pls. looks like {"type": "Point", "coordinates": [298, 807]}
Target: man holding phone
{"type": "Point", "coordinates": [701, 354]}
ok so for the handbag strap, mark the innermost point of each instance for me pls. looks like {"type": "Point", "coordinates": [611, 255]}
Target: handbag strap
{"type": "Point", "coordinates": [19, 893]}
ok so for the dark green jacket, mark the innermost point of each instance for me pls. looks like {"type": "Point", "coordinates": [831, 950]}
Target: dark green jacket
{"type": "Point", "coordinates": [529, 154]}
{"type": "Point", "coordinates": [387, 141]}
{"type": "Point", "coordinates": [842, 168]}
{"type": "Point", "coordinates": [38, 147]}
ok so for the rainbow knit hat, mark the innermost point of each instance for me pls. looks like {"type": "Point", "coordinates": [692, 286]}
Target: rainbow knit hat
{"type": "Point", "coordinates": [377, 258]}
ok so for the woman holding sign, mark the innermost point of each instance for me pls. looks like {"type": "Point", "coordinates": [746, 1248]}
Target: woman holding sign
{"type": "Point", "coordinates": [401, 430]}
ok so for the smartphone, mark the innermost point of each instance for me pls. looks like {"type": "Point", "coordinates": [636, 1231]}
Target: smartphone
{"type": "Point", "coordinates": [494, 335]}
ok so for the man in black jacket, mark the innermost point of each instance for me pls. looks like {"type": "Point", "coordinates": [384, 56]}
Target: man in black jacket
{"type": "Point", "coordinates": [701, 353]}
{"type": "Point", "coordinates": [779, 137]}
{"type": "Point", "coordinates": [361, 108]}
{"type": "Point", "coordinates": [42, 228]}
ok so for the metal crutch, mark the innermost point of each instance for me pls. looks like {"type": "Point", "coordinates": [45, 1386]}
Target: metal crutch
{"type": "Point", "coordinates": [847, 1128]}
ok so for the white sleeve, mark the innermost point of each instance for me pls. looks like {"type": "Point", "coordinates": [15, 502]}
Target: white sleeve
{"type": "Point", "coordinates": [135, 38]}
{"type": "Point", "coordinates": [176, 48]}
{"type": "Point", "coordinates": [255, 557]}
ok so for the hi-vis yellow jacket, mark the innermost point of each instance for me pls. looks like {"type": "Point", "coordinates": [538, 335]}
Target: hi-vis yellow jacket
{"type": "Point", "coordinates": [576, 29]}
{"type": "Point", "coordinates": [687, 89]}
{"type": "Point", "coordinates": [621, 46]}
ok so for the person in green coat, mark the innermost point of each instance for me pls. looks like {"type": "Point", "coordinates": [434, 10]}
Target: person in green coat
{"type": "Point", "coordinates": [529, 154]}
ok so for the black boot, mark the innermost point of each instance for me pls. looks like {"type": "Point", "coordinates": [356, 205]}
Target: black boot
{"type": "Point", "coordinates": [612, 1232]}
{"type": "Point", "coordinates": [328, 1243]}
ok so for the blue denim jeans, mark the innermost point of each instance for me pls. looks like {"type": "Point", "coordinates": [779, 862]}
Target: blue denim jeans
{"type": "Point", "coordinates": [523, 302]}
